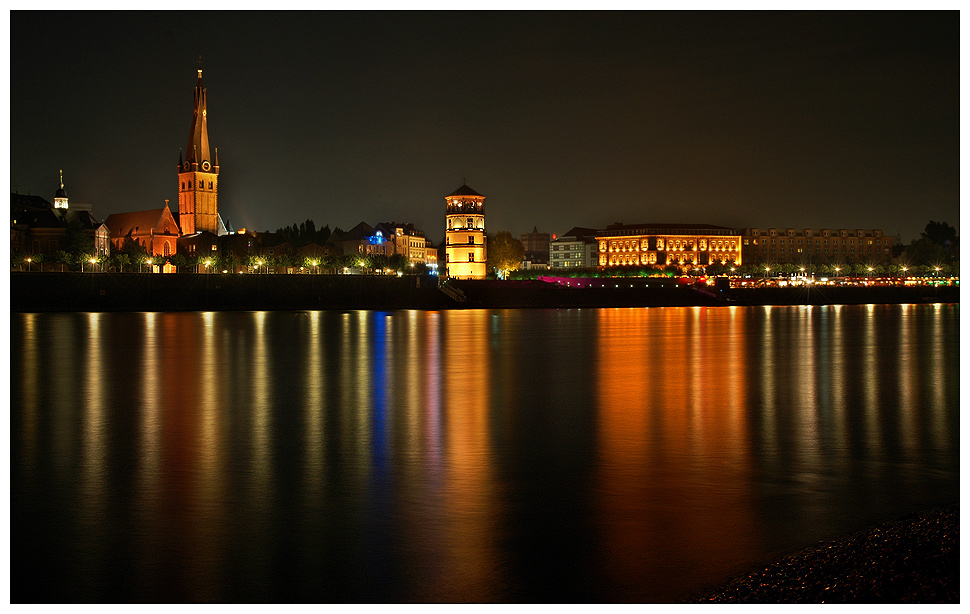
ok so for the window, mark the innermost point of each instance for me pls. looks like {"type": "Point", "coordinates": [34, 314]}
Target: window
{"type": "Point", "coordinates": [471, 239]}
{"type": "Point", "coordinates": [471, 256]}
{"type": "Point", "coordinates": [166, 249]}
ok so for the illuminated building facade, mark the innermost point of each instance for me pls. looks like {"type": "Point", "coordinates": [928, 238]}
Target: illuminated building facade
{"type": "Point", "coordinates": [199, 175]}
{"type": "Point", "coordinates": [155, 230]}
{"type": "Point", "coordinates": [680, 245]}
{"type": "Point", "coordinates": [577, 248]}
{"type": "Point", "coordinates": [465, 234]}
{"type": "Point", "coordinates": [407, 241]}
{"type": "Point", "coordinates": [815, 246]}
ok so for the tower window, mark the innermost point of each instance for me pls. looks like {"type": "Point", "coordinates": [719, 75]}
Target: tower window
{"type": "Point", "coordinates": [201, 184]}
{"type": "Point", "coordinates": [471, 257]}
{"type": "Point", "coordinates": [210, 185]}
{"type": "Point", "coordinates": [471, 239]}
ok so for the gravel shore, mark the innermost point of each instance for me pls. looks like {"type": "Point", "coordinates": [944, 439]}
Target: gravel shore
{"type": "Point", "coordinates": [913, 559]}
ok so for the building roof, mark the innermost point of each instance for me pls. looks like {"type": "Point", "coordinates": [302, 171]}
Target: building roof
{"type": "Point", "coordinates": [580, 232]}
{"type": "Point", "coordinates": [618, 228]}
{"type": "Point", "coordinates": [357, 233]}
{"type": "Point", "coordinates": [29, 201]}
{"type": "Point", "coordinates": [36, 218]}
{"type": "Point", "coordinates": [464, 190]}
{"type": "Point", "coordinates": [140, 222]}
{"type": "Point", "coordinates": [85, 218]}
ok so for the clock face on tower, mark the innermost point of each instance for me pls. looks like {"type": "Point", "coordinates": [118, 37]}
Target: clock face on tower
{"type": "Point", "coordinates": [205, 165]}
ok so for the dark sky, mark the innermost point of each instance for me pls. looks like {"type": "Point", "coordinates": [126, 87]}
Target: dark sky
{"type": "Point", "coordinates": [822, 120]}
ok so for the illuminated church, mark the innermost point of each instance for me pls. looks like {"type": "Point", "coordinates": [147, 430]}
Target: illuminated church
{"type": "Point", "coordinates": [199, 175]}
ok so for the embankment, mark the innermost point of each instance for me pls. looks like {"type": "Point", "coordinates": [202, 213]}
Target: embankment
{"type": "Point", "coordinates": [218, 292]}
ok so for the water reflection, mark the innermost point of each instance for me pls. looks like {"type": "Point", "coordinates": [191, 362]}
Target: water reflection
{"type": "Point", "coordinates": [604, 455]}
{"type": "Point", "coordinates": [674, 467]}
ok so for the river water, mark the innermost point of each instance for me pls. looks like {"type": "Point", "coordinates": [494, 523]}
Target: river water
{"type": "Point", "coordinates": [606, 455]}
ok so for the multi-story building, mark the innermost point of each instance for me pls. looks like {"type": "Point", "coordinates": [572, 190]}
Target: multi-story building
{"type": "Point", "coordinates": [408, 242]}
{"type": "Point", "coordinates": [465, 234]}
{"type": "Point", "coordinates": [682, 245]}
{"type": "Point", "coordinates": [577, 248]}
{"type": "Point", "coordinates": [815, 246]}
{"type": "Point", "coordinates": [361, 240]}
{"type": "Point", "coordinates": [536, 246]}
{"type": "Point", "coordinates": [39, 227]}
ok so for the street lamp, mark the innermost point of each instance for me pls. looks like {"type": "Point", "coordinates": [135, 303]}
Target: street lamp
{"type": "Point", "coordinates": [207, 263]}
{"type": "Point", "coordinates": [28, 264]}
{"type": "Point", "coordinates": [93, 261]}
{"type": "Point", "coordinates": [314, 263]}
{"type": "Point", "coordinates": [259, 264]}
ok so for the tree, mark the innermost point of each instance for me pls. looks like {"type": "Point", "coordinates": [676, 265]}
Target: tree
{"type": "Point", "coordinates": [79, 240]}
{"type": "Point", "coordinates": [179, 261]}
{"type": "Point", "coordinates": [377, 262]}
{"type": "Point", "coordinates": [398, 262]}
{"type": "Point", "coordinates": [936, 246]}
{"type": "Point", "coordinates": [133, 248]}
{"type": "Point", "coordinates": [121, 260]}
{"type": "Point", "coordinates": [940, 233]}
{"type": "Point", "coordinates": [505, 253]}
{"type": "Point", "coordinates": [64, 259]}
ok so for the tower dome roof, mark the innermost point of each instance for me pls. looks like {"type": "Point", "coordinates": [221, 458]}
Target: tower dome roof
{"type": "Point", "coordinates": [61, 192]}
{"type": "Point", "coordinates": [464, 190]}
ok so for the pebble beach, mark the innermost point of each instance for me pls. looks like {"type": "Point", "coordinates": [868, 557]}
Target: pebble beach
{"type": "Point", "coordinates": [913, 559]}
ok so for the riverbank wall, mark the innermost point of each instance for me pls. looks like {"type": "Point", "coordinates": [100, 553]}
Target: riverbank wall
{"type": "Point", "coordinates": [40, 292]}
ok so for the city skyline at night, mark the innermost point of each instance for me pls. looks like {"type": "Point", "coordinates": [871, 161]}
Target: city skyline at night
{"type": "Point", "coordinates": [737, 119]}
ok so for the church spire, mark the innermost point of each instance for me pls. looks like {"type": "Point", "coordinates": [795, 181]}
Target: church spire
{"type": "Point", "coordinates": [199, 173]}
{"type": "Point", "coordinates": [197, 152]}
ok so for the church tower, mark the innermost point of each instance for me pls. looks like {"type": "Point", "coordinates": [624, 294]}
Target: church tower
{"type": "Point", "coordinates": [199, 174]}
{"type": "Point", "coordinates": [60, 197]}
{"type": "Point", "coordinates": [465, 234]}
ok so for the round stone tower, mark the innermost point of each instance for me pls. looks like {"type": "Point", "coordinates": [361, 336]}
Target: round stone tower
{"type": "Point", "coordinates": [465, 234]}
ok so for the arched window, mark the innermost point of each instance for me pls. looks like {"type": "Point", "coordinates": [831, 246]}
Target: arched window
{"type": "Point", "coordinates": [166, 249]}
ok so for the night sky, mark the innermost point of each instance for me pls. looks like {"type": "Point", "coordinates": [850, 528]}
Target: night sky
{"type": "Point", "coordinates": [820, 120]}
